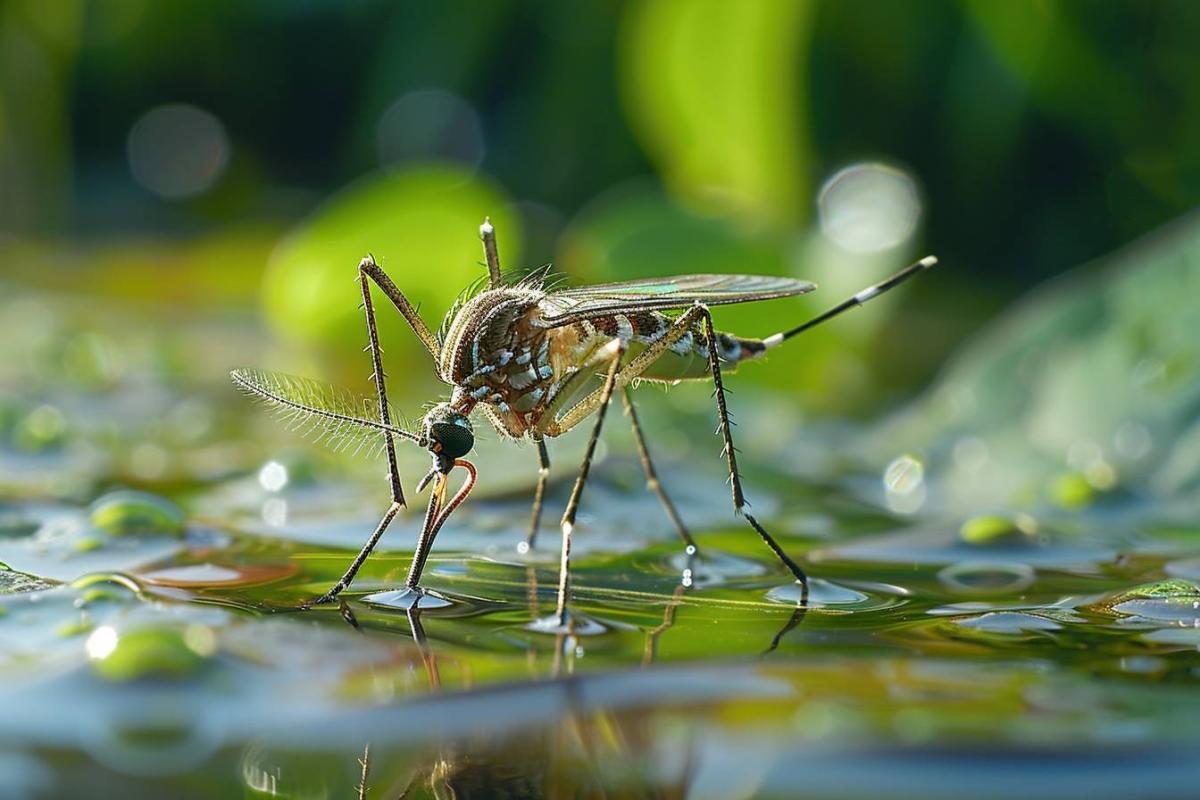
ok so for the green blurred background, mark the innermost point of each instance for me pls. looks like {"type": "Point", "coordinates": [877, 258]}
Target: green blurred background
{"type": "Point", "coordinates": [238, 158]}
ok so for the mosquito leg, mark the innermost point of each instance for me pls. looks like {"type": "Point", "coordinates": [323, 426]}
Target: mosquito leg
{"type": "Point", "coordinates": [539, 494]}
{"type": "Point", "coordinates": [367, 267]}
{"type": "Point", "coordinates": [345, 580]}
{"type": "Point", "coordinates": [379, 379]}
{"type": "Point", "coordinates": [568, 518]}
{"type": "Point", "coordinates": [735, 480]}
{"type": "Point", "coordinates": [385, 418]}
{"type": "Point", "coordinates": [557, 419]}
{"type": "Point", "coordinates": [652, 481]}
{"type": "Point", "coordinates": [424, 542]}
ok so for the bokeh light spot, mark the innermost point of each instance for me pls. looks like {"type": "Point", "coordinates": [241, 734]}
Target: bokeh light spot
{"type": "Point", "coordinates": [101, 643]}
{"type": "Point", "coordinates": [971, 454]}
{"type": "Point", "coordinates": [904, 485]}
{"type": "Point", "coordinates": [869, 207]}
{"type": "Point", "coordinates": [177, 151]}
{"type": "Point", "coordinates": [273, 476]}
{"type": "Point", "coordinates": [430, 125]}
{"type": "Point", "coordinates": [1133, 441]}
{"type": "Point", "coordinates": [275, 512]}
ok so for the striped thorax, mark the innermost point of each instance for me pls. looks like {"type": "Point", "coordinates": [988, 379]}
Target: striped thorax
{"type": "Point", "coordinates": [500, 354]}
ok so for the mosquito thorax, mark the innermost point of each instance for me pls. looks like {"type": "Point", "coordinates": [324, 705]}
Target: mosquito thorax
{"type": "Point", "coordinates": [449, 435]}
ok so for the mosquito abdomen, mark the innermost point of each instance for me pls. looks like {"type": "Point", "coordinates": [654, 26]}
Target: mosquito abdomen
{"type": "Point", "coordinates": [687, 358]}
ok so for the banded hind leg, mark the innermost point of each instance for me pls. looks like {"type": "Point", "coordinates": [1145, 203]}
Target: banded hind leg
{"type": "Point", "coordinates": [681, 326]}
{"type": "Point", "coordinates": [652, 480]}
{"type": "Point", "coordinates": [568, 518]}
{"type": "Point", "coordinates": [730, 453]}
{"type": "Point", "coordinates": [561, 420]}
{"type": "Point", "coordinates": [368, 270]}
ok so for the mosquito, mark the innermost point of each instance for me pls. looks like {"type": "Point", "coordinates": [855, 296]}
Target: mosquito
{"type": "Point", "coordinates": [536, 359]}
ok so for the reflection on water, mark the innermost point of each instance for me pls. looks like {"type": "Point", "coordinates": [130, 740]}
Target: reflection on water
{"type": "Point", "coordinates": [155, 647]}
{"type": "Point", "coordinates": [206, 660]}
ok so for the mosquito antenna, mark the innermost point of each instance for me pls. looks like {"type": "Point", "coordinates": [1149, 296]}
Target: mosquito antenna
{"type": "Point", "coordinates": [487, 232]}
{"type": "Point", "coordinates": [314, 407]}
{"type": "Point", "coordinates": [857, 300]}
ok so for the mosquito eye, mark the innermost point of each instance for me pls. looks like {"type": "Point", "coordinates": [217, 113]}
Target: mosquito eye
{"type": "Point", "coordinates": [456, 441]}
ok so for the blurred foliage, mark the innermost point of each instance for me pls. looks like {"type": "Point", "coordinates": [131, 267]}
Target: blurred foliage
{"type": "Point", "coordinates": [422, 225]}
{"type": "Point", "coordinates": [173, 175]}
{"type": "Point", "coordinates": [715, 90]}
{"type": "Point", "coordinates": [1090, 385]}
{"type": "Point", "coordinates": [1040, 133]}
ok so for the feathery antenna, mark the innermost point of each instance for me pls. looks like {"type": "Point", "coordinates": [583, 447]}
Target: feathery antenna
{"type": "Point", "coordinates": [330, 414]}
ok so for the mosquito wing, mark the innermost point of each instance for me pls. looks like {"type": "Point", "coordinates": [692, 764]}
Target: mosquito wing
{"type": "Point", "coordinates": [335, 416]}
{"type": "Point", "coordinates": [565, 306]}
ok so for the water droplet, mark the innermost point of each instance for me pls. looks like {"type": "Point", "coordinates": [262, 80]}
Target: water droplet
{"type": "Point", "coordinates": [687, 576]}
{"type": "Point", "coordinates": [714, 568]}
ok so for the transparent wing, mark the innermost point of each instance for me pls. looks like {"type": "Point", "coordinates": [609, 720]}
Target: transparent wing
{"type": "Point", "coordinates": [340, 419]}
{"type": "Point", "coordinates": [661, 294]}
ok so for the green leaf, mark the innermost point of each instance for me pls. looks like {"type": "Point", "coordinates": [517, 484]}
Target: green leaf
{"type": "Point", "coordinates": [726, 132]}
{"type": "Point", "coordinates": [422, 226]}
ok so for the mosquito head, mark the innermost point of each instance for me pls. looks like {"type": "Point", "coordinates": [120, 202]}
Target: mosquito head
{"type": "Point", "coordinates": [449, 435]}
